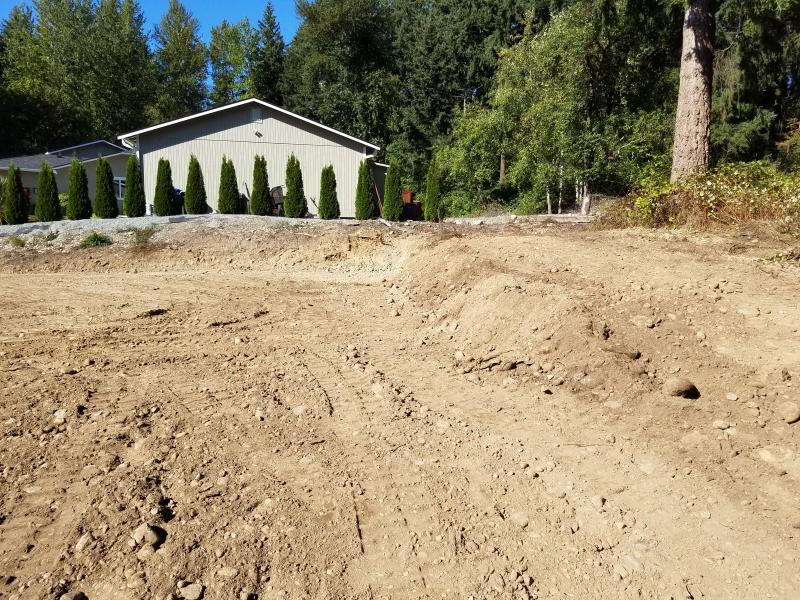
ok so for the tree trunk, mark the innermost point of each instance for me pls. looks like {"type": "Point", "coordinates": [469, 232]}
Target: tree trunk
{"type": "Point", "coordinates": [549, 203]}
{"type": "Point", "coordinates": [693, 119]}
{"type": "Point", "coordinates": [502, 168]}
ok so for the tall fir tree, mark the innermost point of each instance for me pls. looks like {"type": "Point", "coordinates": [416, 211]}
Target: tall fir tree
{"type": "Point", "coordinates": [228, 200]}
{"type": "Point", "coordinates": [78, 204]}
{"type": "Point", "coordinates": [196, 201]}
{"type": "Point", "coordinates": [392, 199]}
{"type": "Point", "coordinates": [134, 204]}
{"type": "Point", "coordinates": [328, 200]}
{"type": "Point", "coordinates": [366, 202]}
{"type": "Point", "coordinates": [432, 201]}
{"type": "Point", "coordinates": [164, 201]}
{"type": "Point", "coordinates": [105, 200]}
{"type": "Point", "coordinates": [230, 51]}
{"type": "Point", "coordinates": [294, 204]}
{"type": "Point", "coordinates": [48, 208]}
{"type": "Point", "coordinates": [15, 202]}
{"type": "Point", "coordinates": [266, 68]}
{"type": "Point", "coordinates": [261, 199]}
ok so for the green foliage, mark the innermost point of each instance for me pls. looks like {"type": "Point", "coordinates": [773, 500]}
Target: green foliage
{"type": "Point", "coordinates": [261, 199]}
{"type": "Point", "coordinates": [105, 200]}
{"type": "Point", "coordinates": [78, 204]}
{"type": "Point", "coordinates": [294, 204]}
{"type": "Point", "coordinates": [17, 241]}
{"type": "Point", "coordinates": [460, 204]}
{"type": "Point", "coordinates": [268, 57]}
{"type": "Point", "coordinates": [47, 205]}
{"type": "Point", "coordinates": [366, 202]}
{"type": "Point", "coordinates": [228, 200]}
{"type": "Point", "coordinates": [328, 200]}
{"type": "Point", "coordinates": [392, 199]}
{"type": "Point", "coordinates": [94, 239]}
{"type": "Point", "coordinates": [164, 199]}
{"type": "Point", "coordinates": [133, 204]}
{"type": "Point", "coordinates": [432, 201]}
{"type": "Point", "coordinates": [195, 201]}
{"type": "Point", "coordinates": [231, 48]}
{"type": "Point", "coordinates": [15, 202]}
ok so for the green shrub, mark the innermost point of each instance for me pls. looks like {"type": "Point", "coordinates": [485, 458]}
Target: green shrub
{"type": "Point", "coordinates": [133, 204]}
{"type": "Point", "coordinates": [15, 202]}
{"type": "Point", "coordinates": [229, 200]}
{"type": "Point", "coordinates": [392, 200]}
{"type": "Point", "coordinates": [294, 204]}
{"type": "Point", "coordinates": [48, 207]}
{"type": "Point", "coordinates": [16, 241]}
{"type": "Point", "coordinates": [328, 200]}
{"type": "Point", "coordinates": [78, 204]}
{"type": "Point", "coordinates": [105, 200]}
{"type": "Point", "coordinates": [530, 202]}
{"type": "Point", "coordinates": [432, 201]}
{"type": "Point", "coordinates": [95, 239]}
{"type": "Point", "coordinates": [366, 202]}
{"type": "Point", "coordinates": [196, 201]}
{"type": "Point", "coordinates": [164, 199]}
{"type": "Point", "coordinates": [51, 235]}
{"type": "Point", "coordinates": [459, 203]}
{"type": "Point", "coordinates": [260, 200]}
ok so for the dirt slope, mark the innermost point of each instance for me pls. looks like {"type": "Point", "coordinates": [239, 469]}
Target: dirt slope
{"type": "Point", "coordinates": [419, 412]}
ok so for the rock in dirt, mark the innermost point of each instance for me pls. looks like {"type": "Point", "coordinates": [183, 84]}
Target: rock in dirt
{"type": "Point", "coordinates": [721, 425]}
{"type": "Point", "coordinates": [789, 412]}
{"type": "Point", "coordinates": [622, 350]}
{"type": "Point", "coordinates": [73, 596]}
{"type": "Point", "coordinates": [149, 534]}
{"type": "Point", "coordinates": [681, 387]}
{"type": "Point", "coordinates": [519, 519]}
{"type": "Point", "coordinates": [193, 591]}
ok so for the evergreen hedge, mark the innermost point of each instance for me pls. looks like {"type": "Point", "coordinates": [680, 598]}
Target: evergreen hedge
{"type": "Point", "coordinates": [294, 204]}
{"type": "Point", "coordinates": [134, 203]}
{"type": "Point", "coordinates": [48, 208]}
{"type": "Point", "coordinates": [229, 200]}
{"type": "Point", "coordinates": [196, 200]}
{"type": "Point", "coordinates": [164, 201]}
{"type": "Point", "coordinates": [261, 199]}
{"type": "Point", "coordinates": [78, 204]}
{"type": "Point", "coordinates": [328, 200]}
{"type": "Point", "coordinates": [392, 200]}
{"type": "Point", "coordinates": [366, 205]}
{"type": "Point", "coordinates": [432, 202]}
{"type": "Point", "coordinates": [15, 203]}
{"type": "Point", "coordinates": [105, 200]}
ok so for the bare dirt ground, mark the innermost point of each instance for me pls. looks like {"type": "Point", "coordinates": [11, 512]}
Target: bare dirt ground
{"type": "Point", "coordinates": [342, 411]}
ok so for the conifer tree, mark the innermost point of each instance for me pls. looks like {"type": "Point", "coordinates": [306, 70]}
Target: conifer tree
{"type": "Point", "coordinates": [294, 205]}
{"type": "Point", "coordinates": [261, 200]}
{"type": "Point", "coordinates": [15, 203]}
{"type": "Point", "coordinates": [267, 64]}
{"type": "Point", "coordinates": [134, 202]}
{"type": "Point", "coordinates": [105, 201]}
{"type": "Point", "coordinates": [78, 204]}
{"type": "Point", "coordinates": [392, 200]}
{"type": "Point", "coordinates": [328, 200]}
{"type": "Point", "coordinates": [48, 208]}
{"type": "Point", "coordinates": [431, 204]}
{"type": "Point", "coordinates": [163, 201]}
{"type": "Point", "coordinates": [366, 206]}
{"type": "Point", "coordinates": [228, 201]}
{"type": "Point", "coordinates": [196, 201]}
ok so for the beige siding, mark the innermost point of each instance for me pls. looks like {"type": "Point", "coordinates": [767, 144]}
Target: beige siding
{"type": "Point", "coordinates": [233, 133]}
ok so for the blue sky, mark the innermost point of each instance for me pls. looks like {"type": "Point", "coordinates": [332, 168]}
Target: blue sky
{"type": "Point", "coordinates": [210, 12]}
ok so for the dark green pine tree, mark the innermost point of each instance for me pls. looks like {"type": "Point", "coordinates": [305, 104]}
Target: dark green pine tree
{"type": "Point", "coordinates": [105, 201]}
{"type": "Point", "coordinates": [134, 203]}
{"type": "Point", "coordinates": [261, 200]}
{"type": "Point", "coordinates": [392, 200]}
{"type": "Point", "coordinates": [15, 203]}
{"type": "Point", "coordinates": [163, 201]}
{"type": "Point", "coordinates": [294, 205]}
{"type": "Point", "coordinates": [196, 201]}
{"type": "Point", "coordinates": [328, 200]}
{"type": "Point", "coordinates": [78, 204]}
{"type": "Point", "coordinates": [228, 201]}
{"type": "Point", "coordinates": [267, 66]}
{"type": "Point", "coordinates": [366, 205]}
{"type": "Point", "coordinates": [432, 201]}
{"type": "Point", "coordinates": [48, 208]}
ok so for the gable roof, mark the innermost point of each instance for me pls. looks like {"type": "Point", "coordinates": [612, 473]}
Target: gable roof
{"type": "Point", "coordinates": [33, 162]}
{"type": "Point", "coordinates": [85, 146]}
{"type": "Point", "coordinates": [127, 136]}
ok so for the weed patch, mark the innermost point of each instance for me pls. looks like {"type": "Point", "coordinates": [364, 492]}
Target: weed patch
{"type": "Point", "coordinates": [94, 239]}
{"type": "Point", "coordinates": [16, 241]}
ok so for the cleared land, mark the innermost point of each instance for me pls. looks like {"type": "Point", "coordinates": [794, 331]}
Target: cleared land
{"type": "Point", "coordinates": [340, 411]}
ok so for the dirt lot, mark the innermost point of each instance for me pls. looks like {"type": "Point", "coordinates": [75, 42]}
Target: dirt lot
{"type": "Point", "coordinates": [343, 411]}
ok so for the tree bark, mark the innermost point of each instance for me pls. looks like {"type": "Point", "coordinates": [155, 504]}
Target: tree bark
{"type": "Point", "coordinates": [693, 118]}
{"type": "Point", "coordinates": [502, 168]}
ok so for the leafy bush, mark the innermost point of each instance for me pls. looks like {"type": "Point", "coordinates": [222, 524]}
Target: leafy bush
{"type": "Point", "coordinates": [51, 235]}
{"type": "Point", "coordinates": [228, 201]}
{"type": "Point", "coordinates": [392, 200]}
{"type": "Point", "coordinates": [105, 200]}
{"type": "Point", "coordinates": [196, 201]}
{"type": "Point", "coordinates": [164, 199]}
{"type": "Point", "coordinates": [459, 203]}
{"type": "Point", "coordinates": [16, 241]}
{"type": "Point", "coordinates": [328, 201]}
{"type": "Point", "coordinates": [530, 203]}
{"type": "Point", "coordinates": [78, 204]}
{"type": "Point", "coordinates": [47, 204]}
{"type": "Point", "coordinates": [294, 204]}
{"type": "Point", "coordinates": [261, 199]}
{"type": "Point", "coordinates": [133, 204]}
{"type": "Point", "coordinates": [15, 202]}
{"type": "Point", "coordinates": [94, 240]}
{"type": "Point", "coordinates": [366, 203]}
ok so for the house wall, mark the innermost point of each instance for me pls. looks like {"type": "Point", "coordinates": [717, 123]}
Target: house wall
{"type": "Point", "coordinates": [233, 133]}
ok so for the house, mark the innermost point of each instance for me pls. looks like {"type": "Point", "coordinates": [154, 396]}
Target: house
{"type": "Point", "coordinates": [60, 161]}
{"type": "Point", "coordinates": [243, 130]}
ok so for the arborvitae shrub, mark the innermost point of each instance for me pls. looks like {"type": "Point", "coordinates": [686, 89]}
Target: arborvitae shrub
{"type": "Point", "coordinates": [48, 207]}
{"type": "Point", "coordinates": [228, 201]}
{"type": "Point", "coordinates": [260, 200]}
{"type": "Point", "coordinates": [105, 201]}
{"type": "Point", "coordinates": [134, 203]}
{"type": "Point", "coordinates": [164, 201]}
{"type": "Point", "coordinates": [15, 203]}
{"type": "Point", "coordinates": [392, 200]}
{"type": "Point", "coordinates": [366, 204]}
{"type": "Point", "coordinates": [195, 200]}
{"type": "Point", "coordinates": [432, 202]}
{"type": "Point", "coordinates": [78, 204]}
{"type": "Point", "coordinates": [294, 204]}
{"type": "Point", "coordinates": [328, 200]}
